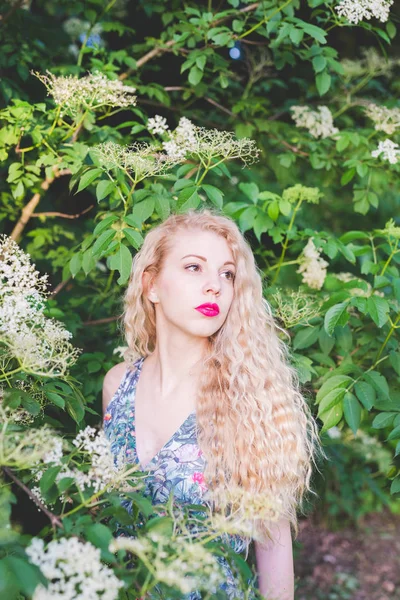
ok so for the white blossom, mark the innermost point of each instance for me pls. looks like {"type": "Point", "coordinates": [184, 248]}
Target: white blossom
{"type": "Point", "coordinates": [76, 27]}
{"type": "Point", "coordinates": [318, 122]}
{"type": "Point", "coordinates": [334, 433]}
{"type": "Point", "coordinates": [74, 571]}
{"type": "Point", "coordinates": [389, 150]}
{"type": "Point", "coordinates": [179, 563]}
{"type": "Point", "coordinates": [93, 91]}
{"type": "Point", "coordinates": [40, 345]}
{"type": "Point", "coordinates": [105, 472]}
{"type": "Point", "coordinates": [312, 266]}
{"type": "Point", "coordinates": [385, 119]}
{"type": "Point", "coordinates": [359, 10]}
{"type": "Point", "coordinates": [157, 125]}
{"type": "Point", "coordinates": [190, 140]}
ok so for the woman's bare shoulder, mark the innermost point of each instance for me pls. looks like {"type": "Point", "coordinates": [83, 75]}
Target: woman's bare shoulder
{"type": "Point", "coordinates": [111, 381]}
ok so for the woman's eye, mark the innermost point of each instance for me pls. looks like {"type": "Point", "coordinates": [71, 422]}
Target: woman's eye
{"type": "Point", "coordinates": [231, 276]}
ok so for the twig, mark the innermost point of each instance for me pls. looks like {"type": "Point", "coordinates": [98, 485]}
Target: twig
{"type": "Point", "coordinates": [165, 48]}
{"type": "Point", "coordinates": [54, 520]}
{"type": "Point", "coordinates": [214, 103]}
{"type": "Point", "coordinates": [65, 216]}
{"type": "Point", "coordinates": [59, 287]}
{"type": "Point", "coordinates": [33, 202]}
{"type": "Point", "coordinates": [101, 321]}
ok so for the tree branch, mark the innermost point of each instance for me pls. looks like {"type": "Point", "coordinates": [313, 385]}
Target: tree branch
{"type": "Point", "coordinates": [33, 202]}
{"type": "Point", "coordinates": [166, 47]}
{"type": "Point", "coordinates": [65, 216]}
{"type": "Point", "coordinates": [54, 520]}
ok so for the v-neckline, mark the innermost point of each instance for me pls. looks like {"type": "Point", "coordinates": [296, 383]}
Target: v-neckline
{"type": "Point", "coordinates": [146, 467]}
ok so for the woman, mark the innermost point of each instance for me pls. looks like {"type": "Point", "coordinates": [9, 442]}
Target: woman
{"type": "Point", "coordinates": [211, 401]}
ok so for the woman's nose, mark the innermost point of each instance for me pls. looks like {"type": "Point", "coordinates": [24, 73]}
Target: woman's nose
{"type": "Point", "coordinates": [213, 285]}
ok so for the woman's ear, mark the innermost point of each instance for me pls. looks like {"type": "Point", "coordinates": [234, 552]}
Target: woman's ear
{"type": "Point", "coordinates": [149, 287]}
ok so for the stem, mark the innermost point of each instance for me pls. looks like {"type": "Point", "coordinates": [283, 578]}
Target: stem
{"type": "Point", "coordinates": [389, 335]}
{"type": "Point", "coordinates": [5, 376]}
{"type": "Point", "coordinates": [286, 242]}
{"type": "Point", "coordinates": [264, 20]}
{"type": "Point", "coordinates": [385, 266]}
{"type": "Point", "coordinates": [54, 520]}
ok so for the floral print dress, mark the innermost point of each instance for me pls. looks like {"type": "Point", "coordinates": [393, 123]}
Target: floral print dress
{"type": "Point", "coordinates": [178, 466]}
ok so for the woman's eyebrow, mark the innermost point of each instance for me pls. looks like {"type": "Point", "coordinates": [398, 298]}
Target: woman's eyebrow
{"type": "Point", "coordinates": [228, 262]}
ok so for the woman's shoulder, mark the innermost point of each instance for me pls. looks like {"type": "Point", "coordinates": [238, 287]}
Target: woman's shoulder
{"type": "Point", "coordinates": [112, 380]}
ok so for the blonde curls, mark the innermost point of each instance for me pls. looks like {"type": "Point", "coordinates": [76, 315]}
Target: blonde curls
{"type": "Point", "coordinates": [254, 426]}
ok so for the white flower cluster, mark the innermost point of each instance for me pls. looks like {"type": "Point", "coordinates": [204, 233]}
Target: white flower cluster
{"type": "Point", "coordinates": [157, 125]}
{"type": "Point", "coordinates": [359, 10]}
{"type": "Point", "coordinates": [385, 119]}
{"type": "Point", "coordinates": [390, 151]}
{"type": "Point", "coordinates": [318, 122]}
{"type": "Point", "coordinates": [358, 291]}
{"type": "Point", "coordinates": [189, 140]}
{"type": "Point", "coordinates": [91, 92]}
{"type": "Point", "coordinates": [105, 471]}
{"type": "Point", "coordinates": [39, 344]}
{"type": "Point", "coordinates": [74, 571]}
{"type": "Point", "coordinates": [140, 159]}
{"type": "Point", "coordinates": [312, 266]}
{"type": "Point", "coordinates": [178, 563]}
{"type": "Point", "coordinates": [29, 448]}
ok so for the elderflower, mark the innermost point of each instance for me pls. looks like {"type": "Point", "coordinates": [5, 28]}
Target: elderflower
{"type": "Point", "coordinates": [73, 569]}
{"type": "Point", "coordinates": [40, 345]}
{"type": "Point", "coordinates": [294, 306]}
{"type": "Point", "coordinates": [180, 563]}
{"type": "Point", "coordinates": [208, 144]}
{"type": "Point", "coordinates": [93, 91]}
{"type": "Point", "coordinates": [157, 125]}
{"type": "Point", "coordinates": [358, 10]}
{"type": "Point", "coordinates": [318, 122]}
{"type": "Point", "coordinates": [140, 159]}
{"type": "Point", "coordinates": [312, 267]}
{"type": "Point", "coordinates": [385, 119]}
{"type": "Point", "coordinates": [27, 448]}
{"type": "Point", "coordinates": [389, 150]}
{"type": "Point", "coordinates": [105, 472]}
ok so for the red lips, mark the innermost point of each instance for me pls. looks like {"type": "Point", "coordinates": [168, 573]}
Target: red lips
{"type": "Point", "coordinates": [208, 309]}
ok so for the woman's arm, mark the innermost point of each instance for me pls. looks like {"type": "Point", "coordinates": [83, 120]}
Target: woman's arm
{"type": "Point", "coordinates": [275, 563]}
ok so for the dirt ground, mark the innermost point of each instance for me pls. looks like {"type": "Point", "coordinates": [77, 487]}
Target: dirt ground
{"type": "Point", "coordinates": [352, 564]}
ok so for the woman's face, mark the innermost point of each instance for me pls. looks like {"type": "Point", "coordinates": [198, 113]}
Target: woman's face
{"type": "Point", "coordinates": [199, 269]}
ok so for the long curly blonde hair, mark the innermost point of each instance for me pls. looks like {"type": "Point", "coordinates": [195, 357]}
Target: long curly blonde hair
{"type": "Point", "coordinates": [254, 426]}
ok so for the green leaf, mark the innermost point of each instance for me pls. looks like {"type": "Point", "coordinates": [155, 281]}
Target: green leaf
{"type": "Point", "coordinates": [122, 262]}
{"type": "Point", "coordinates": [48, 478]}
{"type": "Point", "coordinates": [214, 194]}
{"type": "Point", "coordinates": [88, 261]}
{"type": "Point", "coordinates": [352, 411]}
{"type": "Point", "coordinates": [99, 535]}
{"type": "Point", "coordinates": [395, 487]}
{"type": "Point", "coordinates": [247, 218]}
{"type": "Point", "coordinates": [250, 190]}
{"type": "Point", "coordinates": [104, 189]}
{"type": "Point", "coordinates": [192, 202]}
{"type": "Point", "coordinates": [379, 382]}
{"type": "Point", "coordinates": [395, 434]}
{"type": "Point", "coordinates": [56, 399]}
{"type": "Point", "coordinates": [75, 264]}
{"type": "Point", "coordinates": [331, 417]}
{"type": "Point", "coordinates": [30, 404]}
{"type": "Point", "coordinates": [331, 399]}
{"type": "Point", "coordinates": [323, 82]}
{"type": "Point", "coordinates": [394, 358]}
{"type": "Point", "coordinates": [378, 309]}
{"type": "Point", "coordinates": [102, 242]}
{"type": "Point", "coordinates": [365, 393]}
{"type": "Point", "coordinates": [87, 178]}
{"type": "Point", "coordinates": [195, 75]}
{"type": "Point", "coordinates": [133, 237]}
{"type": "Point", "coordinates": [162, 206]}
{"type": "Point", "coordinates": [319, 63]}
{"type": "Point", "coordinates": [75, 407]}
{"type": "Point", "coordinates": [27, 575]}
{"type": "Point", "coordinates": [142, 211]}
{"type": "Point", "coordinates": [296, 35]}
{"type": "Point", "coordinates": [384, 419]}
{"type": "Point", "coordinates": [305, 338]}
{"type": "Point", "coordinates": [336, 315]}
{"type": "Point", "coordinates": [336, 381]}
{"type": "Point", "coordinates": [104, 224]}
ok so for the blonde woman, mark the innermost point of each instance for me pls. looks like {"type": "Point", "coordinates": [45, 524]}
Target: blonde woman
{"type": "Point", "coordinates": [206, 399]}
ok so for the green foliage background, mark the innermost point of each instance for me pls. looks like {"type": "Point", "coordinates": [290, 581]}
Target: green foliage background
{"type": "Point", "coordinates": [59, 203]}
